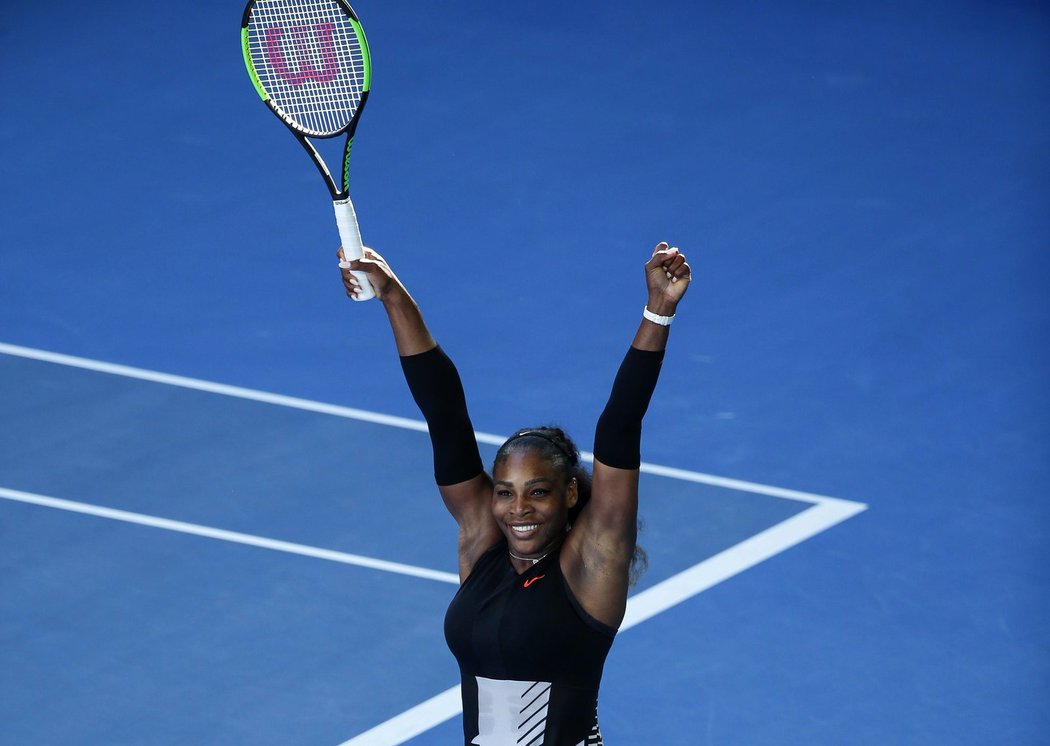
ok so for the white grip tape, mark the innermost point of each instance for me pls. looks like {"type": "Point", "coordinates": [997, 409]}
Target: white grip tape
{"type": "Point", "coordinates": [350, 236]}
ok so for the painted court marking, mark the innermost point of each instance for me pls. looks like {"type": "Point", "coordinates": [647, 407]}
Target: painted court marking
{"type": "Point", "coordinates": [824, 513]}
{"type": "Point", "coordinates": [224, 535]}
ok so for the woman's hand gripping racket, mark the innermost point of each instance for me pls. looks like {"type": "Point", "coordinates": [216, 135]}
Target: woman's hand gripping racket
{"type": "Point", "coordinates": [309, 62]}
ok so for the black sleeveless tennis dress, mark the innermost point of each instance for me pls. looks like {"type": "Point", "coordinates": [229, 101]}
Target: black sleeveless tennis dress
{"type": "Point", "coordinates": [529, 656]}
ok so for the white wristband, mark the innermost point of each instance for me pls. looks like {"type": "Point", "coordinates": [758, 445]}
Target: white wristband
{"type": "Point", "coordinates": [657, 318]}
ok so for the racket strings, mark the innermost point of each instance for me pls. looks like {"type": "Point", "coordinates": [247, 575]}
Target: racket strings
{"type": "Point", "coordinates": [310, 62]}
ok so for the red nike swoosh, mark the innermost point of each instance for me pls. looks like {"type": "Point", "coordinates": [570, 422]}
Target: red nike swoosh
{"type": "Point", "coordinates": [530, 581]}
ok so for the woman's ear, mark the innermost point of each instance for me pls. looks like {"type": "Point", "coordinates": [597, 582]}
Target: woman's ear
{"type": "Point", "coordinates": [572, 493]}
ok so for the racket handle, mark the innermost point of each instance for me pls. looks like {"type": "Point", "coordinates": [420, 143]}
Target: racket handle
{"type": "Point", "coordinates": [350, 235]}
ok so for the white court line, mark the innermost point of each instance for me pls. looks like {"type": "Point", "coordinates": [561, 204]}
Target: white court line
{"type": "Point", "coordinates": [824, 513]}
{"type": "Point", "coordinates": [224, 535]}
{"type": "Point", "coordinates": [212, 387]}
{"type": "Point", "coordinates": [737, 558]}
{"type": "Point", "coordinates": [363, 415]}
{"type": "Point", "coordinates": [412, 722]}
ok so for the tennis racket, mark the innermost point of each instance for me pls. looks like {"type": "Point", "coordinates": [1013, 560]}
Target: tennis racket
{"type": "Point", "coordinates": [309, 62]}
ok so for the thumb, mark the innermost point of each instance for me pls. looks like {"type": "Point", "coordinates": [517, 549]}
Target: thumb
{"type": "Point", "coordinates": [661, 254]}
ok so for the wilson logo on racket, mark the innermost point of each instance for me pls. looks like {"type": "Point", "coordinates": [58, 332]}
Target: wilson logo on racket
{"type": "Point", "coordinates": [322, 43]}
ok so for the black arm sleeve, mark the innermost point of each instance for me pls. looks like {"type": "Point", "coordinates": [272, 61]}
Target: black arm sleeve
{"type": "Point", "coordinates": [435, 385]}
{"type": "Point", "coordinates": [618, 435]}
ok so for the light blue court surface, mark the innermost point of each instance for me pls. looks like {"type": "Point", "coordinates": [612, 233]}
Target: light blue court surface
{"type": "Point", "coordinates": [217, 522]}
{"type": "Point", "coordinates": [736, 526]}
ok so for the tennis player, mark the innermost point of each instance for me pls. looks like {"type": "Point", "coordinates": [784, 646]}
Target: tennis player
{"type": "Point", "coordinates": [545, 550]}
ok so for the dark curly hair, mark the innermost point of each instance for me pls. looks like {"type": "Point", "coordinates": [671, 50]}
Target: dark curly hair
{"type": "Point", "coordinates": [554, 445]}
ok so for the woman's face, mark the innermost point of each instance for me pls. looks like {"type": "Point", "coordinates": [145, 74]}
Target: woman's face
{"type": "Point", "coordinates": [531, 502]}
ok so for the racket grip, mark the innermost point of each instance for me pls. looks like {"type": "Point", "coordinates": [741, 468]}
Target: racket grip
{"type": "Point", "coordinates": [350, 235]}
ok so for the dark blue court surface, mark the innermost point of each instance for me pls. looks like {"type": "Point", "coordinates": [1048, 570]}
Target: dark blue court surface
{"type": "Point", "coordinates": [217, 521]}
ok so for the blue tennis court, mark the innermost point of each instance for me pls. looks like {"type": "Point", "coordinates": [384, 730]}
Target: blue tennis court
{"type": "Point", "coordinates": [217, 517]}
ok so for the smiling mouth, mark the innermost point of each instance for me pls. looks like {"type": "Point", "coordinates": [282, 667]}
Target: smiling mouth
{"type": "Point", "coordinates": [525, 529]}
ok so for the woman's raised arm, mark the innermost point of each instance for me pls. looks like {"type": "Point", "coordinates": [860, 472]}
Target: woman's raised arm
{"type": "Point", "coordinates": [438, 392]}
{"type": "Point", "coordinates": [604, 537]}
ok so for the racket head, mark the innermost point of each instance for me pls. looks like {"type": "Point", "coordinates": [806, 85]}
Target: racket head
{"type": "Point", "coordinates": [309, 62]}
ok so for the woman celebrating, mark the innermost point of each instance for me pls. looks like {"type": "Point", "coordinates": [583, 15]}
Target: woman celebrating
{"type": "Point", "coordinates": [545, 551]}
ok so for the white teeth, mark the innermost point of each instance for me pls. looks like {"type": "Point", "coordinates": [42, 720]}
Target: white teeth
{"type": "Point", "coordinates": [525, 529]}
